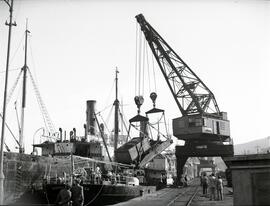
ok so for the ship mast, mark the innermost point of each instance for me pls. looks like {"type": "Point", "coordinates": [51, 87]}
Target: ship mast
{"type": "Point", "coordinates": [116, 110]}
{"type": "Point", "coordinates": [2, 177]}
{"type": "Point", "coordinates": [24, 69]}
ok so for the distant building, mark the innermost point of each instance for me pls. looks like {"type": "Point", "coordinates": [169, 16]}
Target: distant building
{"type": "Point", "coordinates": [162, 165]}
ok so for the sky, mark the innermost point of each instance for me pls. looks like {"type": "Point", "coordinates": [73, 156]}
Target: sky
{"type": "Point", "coordinates": [75, 47]}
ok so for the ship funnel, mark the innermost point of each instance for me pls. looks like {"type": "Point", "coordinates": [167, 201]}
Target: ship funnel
{"type": "Point", "coordinates": [85, 131]}
{"type": "Point", "coordinates": [74, 133]}
{"type": "Point", "coordinates": [71, 135]}
{"type": "Point", "coordinates": [61, 134]}
{"type": "Point", "coordinates": [91, 126]}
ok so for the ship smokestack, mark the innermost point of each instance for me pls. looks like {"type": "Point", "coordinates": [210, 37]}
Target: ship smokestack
{"type": "Point", "coordinates": [85, 131]}
{"type": "Point", "coordinates": [91, 125]}
{"type": "Point", "coordinates": [61, 134]}
{"type": "Point", "coordinates": [74, 133]}
{"type": "Point", "coordinates": [71, 135]}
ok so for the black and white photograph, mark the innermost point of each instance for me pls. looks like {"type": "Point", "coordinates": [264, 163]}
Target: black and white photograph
{"type": "Point", "coordinates": [135, 102]}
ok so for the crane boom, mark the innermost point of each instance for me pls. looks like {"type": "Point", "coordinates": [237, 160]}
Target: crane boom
{"type": "Point", "coordinates": [190, 93]}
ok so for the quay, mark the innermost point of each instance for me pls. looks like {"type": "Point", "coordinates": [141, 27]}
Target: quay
{"type": "Point", "coordinates": [184, 196]}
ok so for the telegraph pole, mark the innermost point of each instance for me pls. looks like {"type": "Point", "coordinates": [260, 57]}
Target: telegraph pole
{"type": "Point", "coordinates": [2, 177]}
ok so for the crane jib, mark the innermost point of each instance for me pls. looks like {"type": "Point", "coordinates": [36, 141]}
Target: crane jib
{"type": "Point", "coordinates": [190, 100]}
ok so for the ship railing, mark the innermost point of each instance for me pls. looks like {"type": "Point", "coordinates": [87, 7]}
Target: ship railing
{"type": "Point", "coordinates": [91, 179]}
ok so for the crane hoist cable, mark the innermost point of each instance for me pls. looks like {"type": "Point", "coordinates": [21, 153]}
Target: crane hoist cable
{"type": "Point", "coordinates": [136, 58]}
{"type": "Point", "coordinates": [142, 64]}
{"type": "Point", "coordinates": [148, 68]}
{"type": "Point", "coordinates": [154, 74]}
{"type": "Point", "coordinates": [139, 63]}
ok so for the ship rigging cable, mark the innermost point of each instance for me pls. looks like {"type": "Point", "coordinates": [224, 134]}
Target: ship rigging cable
{"type": "Point", "coordinates": [46, 118]}
{"type": "Point", "coordinates": [15, 52]}
{"type": "Point", "coordinates": [105, 124]}
{"type": "Point", "coordinates": [8, 100]}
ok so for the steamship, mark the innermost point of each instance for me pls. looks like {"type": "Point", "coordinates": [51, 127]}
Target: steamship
{"type": "Point", "coordinates": [37, 179]}
{"type": "Point", "coordinates": [33, 178]}
{"type": "Point", "coordinates": [42, 177]}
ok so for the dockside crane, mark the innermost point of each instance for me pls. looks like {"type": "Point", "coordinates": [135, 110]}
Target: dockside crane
{"type": "Point", "coordinates": [203, 127]}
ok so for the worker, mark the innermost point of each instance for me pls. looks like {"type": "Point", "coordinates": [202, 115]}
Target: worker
{"type": "Point", "coordinates": [212, 186]}
{"type": "Point", "coordinates": [64, 196]}
{"type": "Point", "coordinates": [164, 179]}
{"type": "Point", "coordinates": [113, 178]}
{"type": "Point", "coordinates": [98, 175]}
{"type": "Point", "coordinates": [186, 180]}
{"type": "Point", "coordinates": [183, 181]}
{"type": "Point", "coordinates": [204, 183]}
{"type": "Point", "coordinates": [201, 179]}
{"type": "Point", "coordinates": [92, 175]}
{"type": "Point", "coordinates": [77, 193]}
{"type": "Point", "coordinates": [219, 188]}
{"type": "Point", "coordinates": [109, 175]}
{"type": "Point", "coordinates": [118, 178]}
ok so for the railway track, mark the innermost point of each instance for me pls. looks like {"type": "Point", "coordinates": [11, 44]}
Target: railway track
{"type": "Point", "coordinates": [167, 197]}
{"type": "Point", "coordinates": [186, 196]}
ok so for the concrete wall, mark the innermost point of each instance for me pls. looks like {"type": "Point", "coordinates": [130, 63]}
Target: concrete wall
{"type": "Point", "coordinates": [251, 179]}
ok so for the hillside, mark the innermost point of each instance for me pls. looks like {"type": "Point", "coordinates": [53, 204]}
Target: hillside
{"type": "Point", "coordinates": [253, 147]}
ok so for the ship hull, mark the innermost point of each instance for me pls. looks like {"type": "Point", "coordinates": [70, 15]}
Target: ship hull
{"type": "Point", "coordinates": [94, 194]}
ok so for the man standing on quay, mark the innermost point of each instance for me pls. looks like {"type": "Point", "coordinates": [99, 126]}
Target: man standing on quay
{"type": "Point", "coordinates": [212, 186]}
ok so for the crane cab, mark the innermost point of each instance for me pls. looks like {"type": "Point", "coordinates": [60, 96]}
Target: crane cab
{"type": "Point", "coordinates": [202, 126]}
